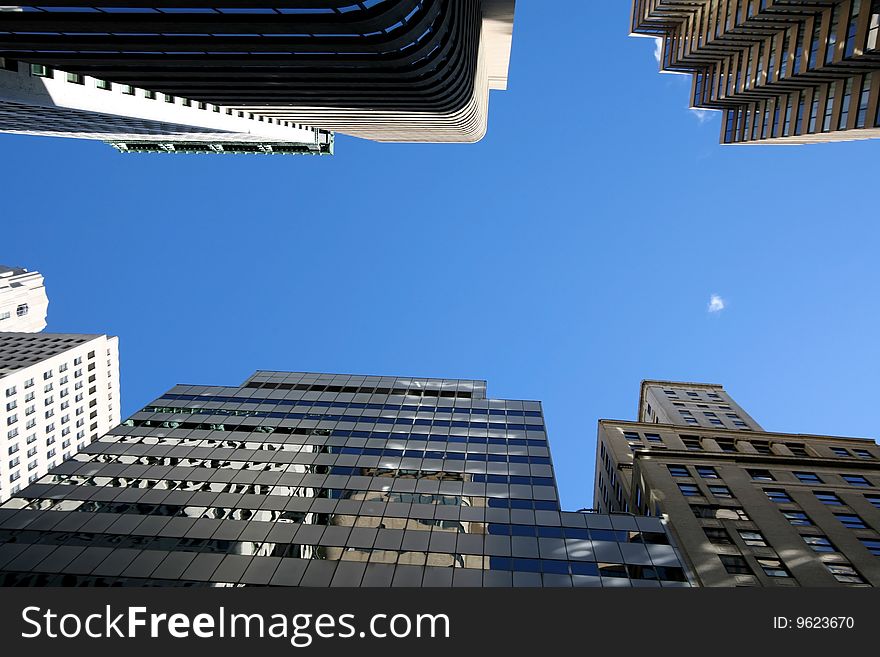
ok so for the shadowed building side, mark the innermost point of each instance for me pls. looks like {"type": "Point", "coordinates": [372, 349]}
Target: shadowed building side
{"type": "Point", "coordinates": [747, 507]}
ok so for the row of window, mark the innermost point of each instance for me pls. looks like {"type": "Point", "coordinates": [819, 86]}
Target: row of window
{"type": "Point", "coordinates": [363, 389]}
{"type": "Point", "coordinates": [796, 518]}
{"type": "Point", "coordinates": [20, 311]}
{"type": "Point", "coordinates": [397, 407]}
{"type": "Point", "coordinates": [48, 374]}
{"type": "Point", "coordinates": [752, 538]}
{"type": "Point", "coordinates": [41, 71]}
{"type": "Point", "coordinates": [674, 394]}
{"type": "Point", "coordinates": [737, 565]}
{"type": "Point", "coordinates": [355, 419]}
{"type": "Point", "coordinates": [709, 472]}
{"type": "Point", "coordinates": [732, 445]}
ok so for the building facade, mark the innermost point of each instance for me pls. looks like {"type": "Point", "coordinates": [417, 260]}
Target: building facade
{"type": "Point", "coordinates": [60, 392]}
{"type": "Point", "coordinates": [781, 71]}
{"type": "Point", "coordinates": [23, 300]}
{"type": "Point", "coordinates": [323, 480]}
{"type": "Point", "coordinates": [746, 507]}
{"type": "Point", "coordinates": [389, 70]}
{"type": "Point", "coordinates": [44, 101]}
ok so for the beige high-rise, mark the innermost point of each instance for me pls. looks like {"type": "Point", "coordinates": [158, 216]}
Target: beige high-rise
{"type": "Point", "coordinates": [781, 71]}
{"type": "Point", "coordinates": [747, 507]}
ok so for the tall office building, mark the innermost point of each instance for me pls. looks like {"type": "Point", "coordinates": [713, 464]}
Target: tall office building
{"type": "Point", "coordinates": [323, 480]}
{"type": "Point", "coordinates": [23, 300]}
{"type": "Point", "coordinates": [389, 70]}
{"type": "Point", "coordinates": [781, 71]}
{"type": "Point", "coordinates": [39, 100]}
{"type": "Point", "coordinates": [747, 507]}
{"type": "Point", "coordinates": [59, 393]}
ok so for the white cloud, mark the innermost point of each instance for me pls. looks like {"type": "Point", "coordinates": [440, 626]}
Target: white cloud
{"type": "Point", "coordinates": [716, 304]}
{"type": "Point", "coordinates": [658, 49]}
{"type": "Point", "coordinates": [703, 115]}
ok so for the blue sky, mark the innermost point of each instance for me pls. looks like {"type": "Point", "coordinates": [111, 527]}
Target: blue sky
{"type": "Point", "coordinates": [566, 257]}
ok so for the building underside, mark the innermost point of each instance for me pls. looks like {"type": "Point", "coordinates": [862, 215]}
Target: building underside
{"type": "Point", "coordinates": [781, 71]}
{"type": "Point", "coordinates": [389, 70]}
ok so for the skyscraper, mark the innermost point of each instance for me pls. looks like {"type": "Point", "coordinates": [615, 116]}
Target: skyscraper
{"type": "Point", "coordinates": [747, 507]}
{"type": "Point", "coordinates": [23, 300]}
{"type": "Point", "coordinates": [390, 70]}
{"type": "Point", "coordinates": [323, 480]}
{"type": "Point", "coordinates": [781, 71]}
{"type": "Point", "coordinates": [39, 100]}
{"type": "Point", "coordinates": [59, 393]}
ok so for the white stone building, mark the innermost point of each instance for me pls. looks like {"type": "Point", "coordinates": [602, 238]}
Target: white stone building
{"type": "Point", "coordinates": [58, 393]}
{"type": "Point", "coordinates": [40, 100]}
{"type": "Point", "coordinates": [23, 300]}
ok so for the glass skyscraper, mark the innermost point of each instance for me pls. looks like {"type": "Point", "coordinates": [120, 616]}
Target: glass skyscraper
{"type": "Point", "coordinates": [388, 70]}
{"type": "Point", "coordinates": [323, 480]}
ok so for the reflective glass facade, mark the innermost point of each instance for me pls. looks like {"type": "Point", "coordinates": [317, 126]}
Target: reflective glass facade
{"type": "Point", "coordinates": [323, 480]}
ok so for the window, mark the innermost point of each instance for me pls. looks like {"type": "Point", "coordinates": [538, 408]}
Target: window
{"type": "Point", "coordinates": [851, 520]}
{"type": "Point", "coordinates": [844, 573]}
{"type": "Point", "coordinates": [753, 538]}
{"type": "Point", "coordinates": [75, 78]}
{"type": "Point", "coordinates": [719, 513]}
{"type": "Point", "coordinates": [653, 437]}
{"type": "Point", "coordinates": [798, 518]}
{"type": "Point", "coordinates": [718, 535]}
{"type": "Point", "coordinates": [873, 499]}
{"type": "Point", "coordinates": [10, 391]}
{"type": "Point", "coordinates": [840, 451]}
{"type": "Point", "coordinates": [632, 435]}
{"type": "Point", "coordinates": [856, 480]}
{"type": "Point", "coordinates": [678, 471]}
{"type": "Point", "coordinates": [692, 443]}
{"type": "Point", "coordinates": [773, 568]}
{"type": "Point", "coordinates": [707, 472]}
{"type": "Point", "coordinates": [874, 26]}
{"type": "Point", "coordinates": [103, 84]}
{"type": "Point", "coordinates": [721, 491]}
{"type": "Point", "coordinates": [819, 543]}
{"type": "Point", "coordinates": [863, 454]}
{"type": "Point", "coordinates": [798, 449]}
{"type": "Point", "coordinates": [761, 475]}
{"type": "Point", "coordinates": [689, 490]}
{"type": "Point", "coordinates": [735, 565]}
{"type": "Point", "coordinates": [808, 477]}
{"type": "Point", "coordinates": [726, 444]}
{"type": "Point", "coordinates": [778, 495]}
{"type": "Point", "coordinates": [828, 498]}
{"type": "Point", "coordinates": [21, 310]}
{"type": "Point", "coordinates": [40, 71]}
{"type": "Point", "coordinates": [872, 544]}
